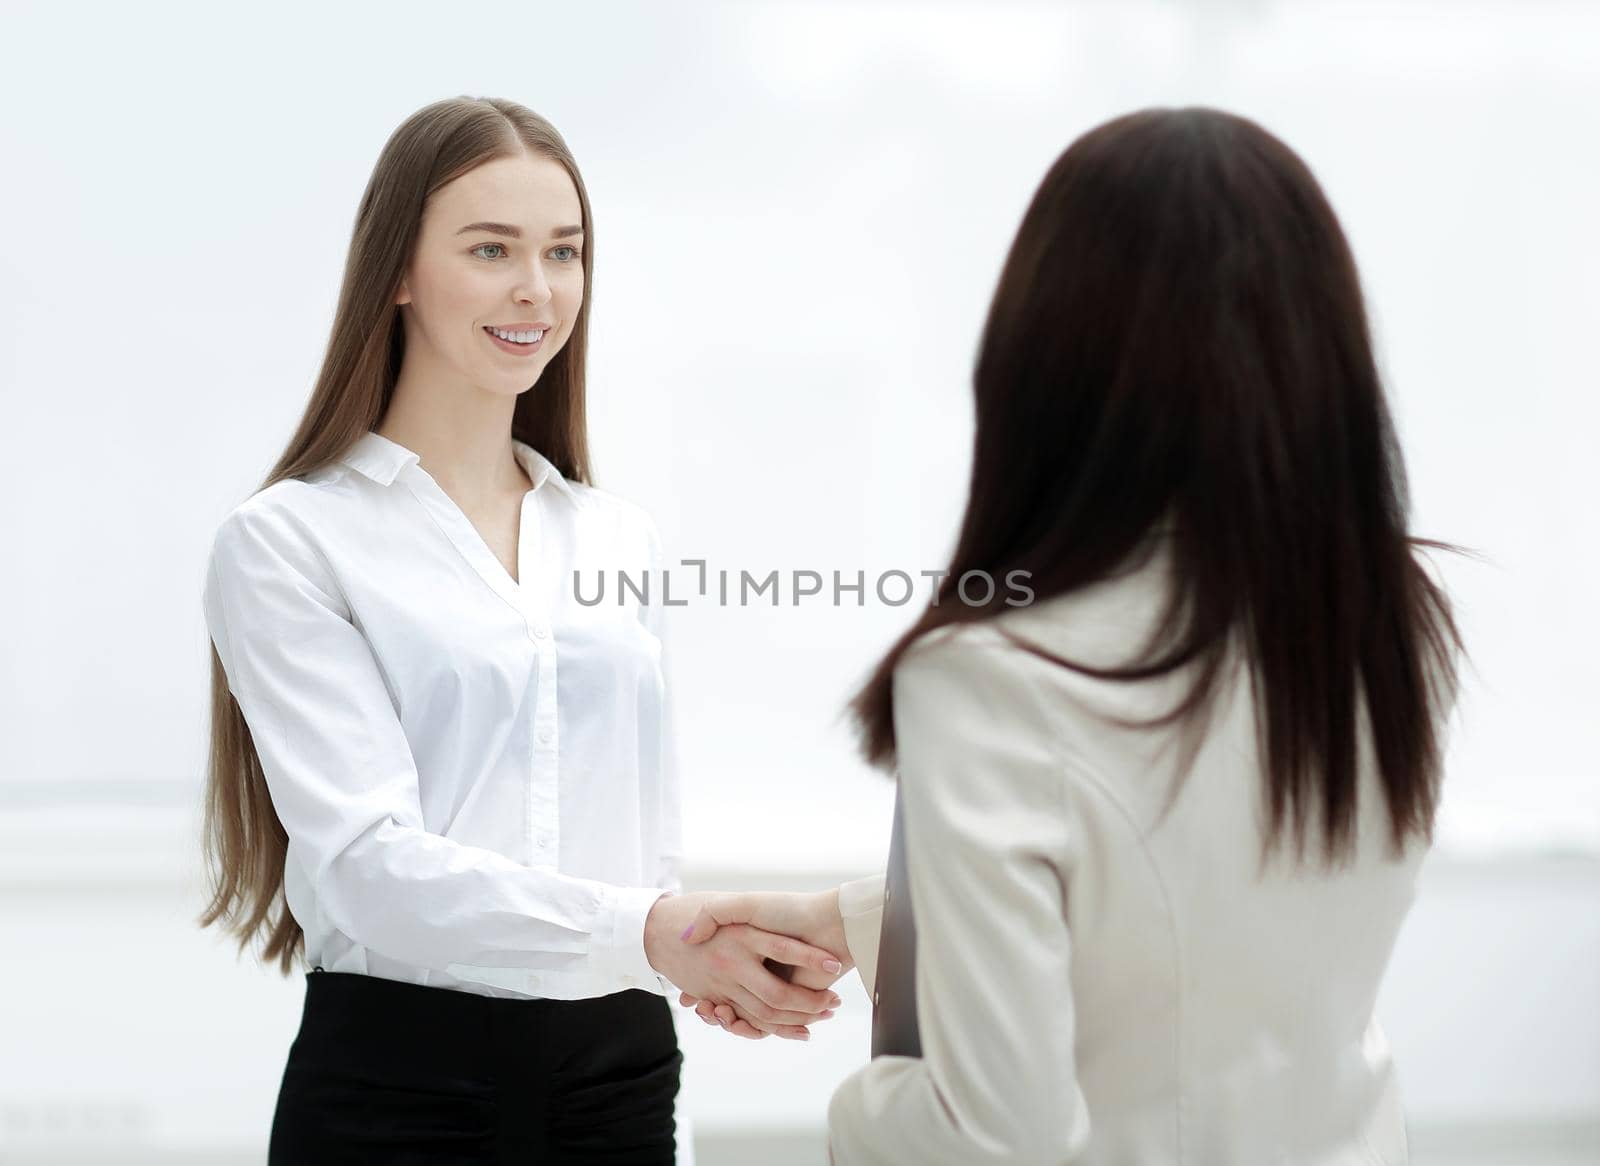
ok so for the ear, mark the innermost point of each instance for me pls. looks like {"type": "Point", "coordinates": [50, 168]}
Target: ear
{"type": "Point", "coordinates": [403, 296]}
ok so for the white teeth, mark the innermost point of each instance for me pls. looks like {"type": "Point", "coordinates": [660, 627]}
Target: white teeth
{"type": "Point", "coordinates": [518, 337]}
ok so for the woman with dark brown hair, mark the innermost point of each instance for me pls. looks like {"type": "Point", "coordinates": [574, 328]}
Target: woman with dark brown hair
{"type": "Point", "coordinates": [1234, 642]}
{"type": "Point", "coordinates": [435, 776]}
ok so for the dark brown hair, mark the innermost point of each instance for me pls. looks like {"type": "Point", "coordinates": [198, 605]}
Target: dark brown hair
{"type": "Point", "coordinates": [244, 842]}
{"type": "Point", "coordinates": [1179, 339]}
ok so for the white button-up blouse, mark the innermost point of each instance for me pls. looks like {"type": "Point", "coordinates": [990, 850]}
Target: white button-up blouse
{"type": "Point", "coordinates": [476, 773]}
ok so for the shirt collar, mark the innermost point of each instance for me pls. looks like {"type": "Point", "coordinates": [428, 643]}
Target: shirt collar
{"type": "Point", "coordinates": [381, 459]}
{"type": "Point", "coordinates": [541, 469]}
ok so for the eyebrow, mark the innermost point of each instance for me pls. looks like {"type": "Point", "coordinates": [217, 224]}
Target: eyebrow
{"type": "Point", "coordinates": [513, 232]}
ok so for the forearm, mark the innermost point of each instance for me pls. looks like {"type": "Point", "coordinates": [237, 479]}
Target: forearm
{"type": "Point", "coordinates": [431, 901]}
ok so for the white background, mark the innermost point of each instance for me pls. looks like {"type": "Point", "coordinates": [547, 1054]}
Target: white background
{"type": "Point", "coordinates": [800, 214]}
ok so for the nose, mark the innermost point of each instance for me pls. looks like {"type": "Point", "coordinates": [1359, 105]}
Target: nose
{"type": "Point", "coordinates": [533, 288]}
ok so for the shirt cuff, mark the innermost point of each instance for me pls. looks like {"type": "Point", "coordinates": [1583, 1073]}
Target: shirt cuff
{"type": "Point", "coordinates": [861, 896]}
{"type": "Point", "coordinates": [861, 911]}
{"type": "Point", "coordinates": [621, 948]}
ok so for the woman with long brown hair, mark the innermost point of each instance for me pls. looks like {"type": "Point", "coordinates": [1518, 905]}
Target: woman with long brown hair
{"type": "Point", "coordinates": [1234, 642]}
{"type": "Point", "coordinates": [435, 776]}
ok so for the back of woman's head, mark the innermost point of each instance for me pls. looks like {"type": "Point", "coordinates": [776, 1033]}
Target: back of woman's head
{"type": "Point", "coordinates": [1179, 339]}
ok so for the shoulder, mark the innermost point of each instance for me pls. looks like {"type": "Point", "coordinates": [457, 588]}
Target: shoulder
{"type": "Point", "coordinates": [277, 509]}
{"type": "Point", "coordinates": [970, 668]}
{"type": "Point", "coordinates": [331, 504]}
{"type": "Point", "coordinates": [276, 531]}
{"type": "Point", "coordinates": [605, 502]}
{"type": "Point", "coordinates": [1106, 624]}
{"type": "Point", "coordinates": [633, 523]}
{"type": "Point", "coordinates": [1090, 625]}
{"type": "Point", "coordinates": [959, 646]}
{"type": "Point", "coordinates": [1008, 667]}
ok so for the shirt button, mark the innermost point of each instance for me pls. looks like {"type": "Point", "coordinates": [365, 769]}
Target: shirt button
{"type": "Point", "coordinates": [874, 999]}
{"type": "Point", "coordinates": [538, 632]}
{"type": "Point", "coordinates": [544, 736]}
{"type": "Point", "coordinates": [629, 980]}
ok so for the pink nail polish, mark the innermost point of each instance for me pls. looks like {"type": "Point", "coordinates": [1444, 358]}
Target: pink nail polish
{"type": "Point", "coordinates": [687, 931]}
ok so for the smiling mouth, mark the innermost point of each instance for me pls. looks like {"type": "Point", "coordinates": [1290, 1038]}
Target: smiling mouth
{"type": "Point", "coordinates": [521, 339]}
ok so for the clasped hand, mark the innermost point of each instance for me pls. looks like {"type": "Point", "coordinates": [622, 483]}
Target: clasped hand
{"type": "Point", "coordinates": [757, 964]}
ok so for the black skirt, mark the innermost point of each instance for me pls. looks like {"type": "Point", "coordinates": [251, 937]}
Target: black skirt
{"type": "Point", "coordinates": [384, 1071]}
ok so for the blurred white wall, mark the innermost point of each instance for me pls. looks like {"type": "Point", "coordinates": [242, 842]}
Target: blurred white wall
{"type": "Point", "coordinates": [800, 213]}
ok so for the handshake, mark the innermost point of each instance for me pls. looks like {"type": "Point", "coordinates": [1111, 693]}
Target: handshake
{"type": "Point", "coordinates": [757, 963]}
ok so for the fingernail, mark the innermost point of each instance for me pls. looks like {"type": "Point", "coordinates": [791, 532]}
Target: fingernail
{"type": "Point", "coordinates": [835, 1002]}
{"type": "Point", "coordinates": [832, 966]}
{"type": "Point", "coordinates": [687, 931]}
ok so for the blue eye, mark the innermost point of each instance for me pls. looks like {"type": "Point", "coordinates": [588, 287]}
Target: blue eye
{"type": "Point", "coordinates": [501, 246]}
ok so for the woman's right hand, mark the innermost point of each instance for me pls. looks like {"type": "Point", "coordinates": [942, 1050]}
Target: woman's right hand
{"type": "Point", "coordinates": [812, 917]}
{"type": "Point", "coordinates": [730, 965]}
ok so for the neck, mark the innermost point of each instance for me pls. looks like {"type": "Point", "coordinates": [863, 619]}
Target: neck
{"type": "Point", "coordinates": [468, 451]}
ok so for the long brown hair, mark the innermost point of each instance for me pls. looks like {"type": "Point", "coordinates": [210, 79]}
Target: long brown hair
{"type": "Point", "coordinates": [1179, 340]}
{"type": "Point", "coordinates": [244, 843]}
